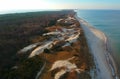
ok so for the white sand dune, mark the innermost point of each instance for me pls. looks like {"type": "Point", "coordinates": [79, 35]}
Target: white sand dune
{"type": "Point", "coordinates": [40, 49]}
{"type": "Point", "coordinates": [27, 48]}
{"type": "Point", "coordinates": [97, 41]}
{"type": "Point", "coordinates": [68, 67]}
{"type": "Point", "coordinates": [70, 33]}
{"type": "Point", "coordinates": [73, 38]}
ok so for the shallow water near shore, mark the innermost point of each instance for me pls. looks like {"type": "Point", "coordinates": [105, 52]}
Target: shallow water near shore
{"type": "Point", "coordinates": [108, 22]}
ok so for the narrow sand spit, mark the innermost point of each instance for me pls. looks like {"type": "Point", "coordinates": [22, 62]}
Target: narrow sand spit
{"type": "Point", "coordinates": [97, 41]}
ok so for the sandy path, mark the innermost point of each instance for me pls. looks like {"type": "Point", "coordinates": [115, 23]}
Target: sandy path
{"type": "Point", "coordinates": [41, 70]}
{"type": "Point", "coordinates": [97, 42]}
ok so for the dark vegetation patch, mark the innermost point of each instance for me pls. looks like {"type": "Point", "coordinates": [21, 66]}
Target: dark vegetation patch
{"type": "Point", "coordinates": [25, 70]}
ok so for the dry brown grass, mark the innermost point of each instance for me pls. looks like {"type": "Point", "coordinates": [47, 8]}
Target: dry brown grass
{"type": "Point", "coordinates": [51, 58]}
{"type": "Point", "coordinates": [81, 59]}
{"type": "Point", "coordinates": [53, 28]}
{"type": "Point", "coordinates": [79, 49]}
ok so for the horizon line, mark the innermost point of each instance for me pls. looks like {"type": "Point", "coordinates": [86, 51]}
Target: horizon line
{"type": "Point", "coordinates": [40, 10]}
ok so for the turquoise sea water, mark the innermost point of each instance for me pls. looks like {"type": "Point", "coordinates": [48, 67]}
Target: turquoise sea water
{"type": "Point", "coordinates": [108, 21]}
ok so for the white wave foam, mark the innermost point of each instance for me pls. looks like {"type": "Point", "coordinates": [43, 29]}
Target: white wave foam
{"type": "Point", "coordinates": [97, 43]}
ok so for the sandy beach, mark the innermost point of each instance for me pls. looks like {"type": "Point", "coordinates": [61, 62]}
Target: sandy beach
{"type": "Point", "coordinates": [97, 42]}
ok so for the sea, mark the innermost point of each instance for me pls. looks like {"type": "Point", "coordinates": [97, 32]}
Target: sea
{"type": "Point", "coordinates": [107, 21]}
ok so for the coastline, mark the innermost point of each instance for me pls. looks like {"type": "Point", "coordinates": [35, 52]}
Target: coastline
{"type": "Point", "coordinates": [57, 49]}
{"type": "Point", "coordinates": [105, 65]}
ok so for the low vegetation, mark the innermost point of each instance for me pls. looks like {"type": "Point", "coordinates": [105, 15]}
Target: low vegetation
{"type": "Point", "coordinates": [20, 30]}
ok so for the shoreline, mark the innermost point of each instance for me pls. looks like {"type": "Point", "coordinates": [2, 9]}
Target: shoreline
{"type": "Point", "coordinates": [99, 46]}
